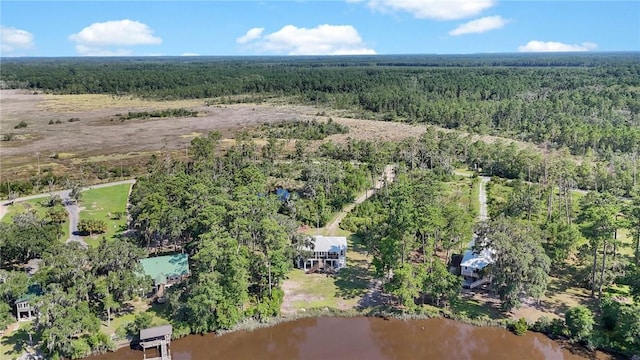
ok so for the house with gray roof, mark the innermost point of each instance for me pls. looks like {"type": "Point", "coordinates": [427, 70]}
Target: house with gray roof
{"type": "Point", "coordinates": [325, 251]}
{"type": "Point", "coordinates": [473, 266]}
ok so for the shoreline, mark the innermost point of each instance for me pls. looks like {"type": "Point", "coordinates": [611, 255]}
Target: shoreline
{"type": "Point", "coordinates": [385, 313]}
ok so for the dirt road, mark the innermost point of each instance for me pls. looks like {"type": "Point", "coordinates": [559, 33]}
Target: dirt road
{"type": "Point", "coordinates": [388, 175]}
{"type": "Point", "coordinates": [483, 214]}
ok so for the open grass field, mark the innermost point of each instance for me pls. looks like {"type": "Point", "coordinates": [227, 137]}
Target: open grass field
{"type": "Point", "coordinates": [33, 204]}
{"type": "Point", "coordinates": [103, 204]}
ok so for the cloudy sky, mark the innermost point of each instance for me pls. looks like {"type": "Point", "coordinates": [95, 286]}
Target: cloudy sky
{"type": "Point", "coordinates": [335, 27]}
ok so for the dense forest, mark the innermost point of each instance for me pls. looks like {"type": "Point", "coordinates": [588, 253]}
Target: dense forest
{"type": "Point", "coordinates": [571, 101]}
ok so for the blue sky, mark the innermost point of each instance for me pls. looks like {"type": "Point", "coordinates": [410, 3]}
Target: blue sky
{"type": "Point", "coordinates": [173, 28]}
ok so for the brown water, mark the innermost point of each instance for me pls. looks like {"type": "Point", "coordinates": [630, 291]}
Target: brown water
{"type": "Point", "coordinates": [364, 338]}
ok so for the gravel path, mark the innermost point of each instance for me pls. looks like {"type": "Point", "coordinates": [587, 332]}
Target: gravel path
{"type": "Point", "coordinates": [482, 198]}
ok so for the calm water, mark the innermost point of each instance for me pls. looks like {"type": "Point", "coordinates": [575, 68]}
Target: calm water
{"type": "Point", "coordinates": [363, 338]}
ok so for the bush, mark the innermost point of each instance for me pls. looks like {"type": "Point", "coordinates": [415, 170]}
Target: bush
{"type": "Point", "coordinates": [579, 322]}
{"type": "Point", "coordinates": [542, 325]}
{"type": "Point", "coordinates": [21, 125]}
{"type": "Point", "coordinates": [8, 137]}
{"type": "Point", "coordinates": [142, 320]}
{"type": "Point", "coordinates": [51, 122]}
{"type": "Point", "coordinates": [520, 327]}
{"type": "Point", "coordinates": [558, 328]}
{"type": "Point", "coordinates": [92, 226]}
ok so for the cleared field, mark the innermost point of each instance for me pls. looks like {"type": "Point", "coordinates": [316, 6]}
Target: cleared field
{"type": "Point", "coordinates": [105, 204]}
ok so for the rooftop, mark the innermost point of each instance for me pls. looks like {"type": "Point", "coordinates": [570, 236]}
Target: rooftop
{"type": "Point", "coordinates": [475, 260]}
{"type": "Point", "coordinates": [155, 332]}
{"type": "Point", "coordinates": [161, 267]}
{"type": "Point", "coordinates": [329, 243]}
{"type": "Point", "coordinates": [34, 290]}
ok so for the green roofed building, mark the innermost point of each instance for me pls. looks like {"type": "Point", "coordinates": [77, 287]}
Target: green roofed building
{"type": "Point", "coordinates": [166, 270]}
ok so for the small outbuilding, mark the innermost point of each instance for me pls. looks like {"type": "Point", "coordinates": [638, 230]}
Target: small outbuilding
{"type": "Point", "coordinates": [25, 311]}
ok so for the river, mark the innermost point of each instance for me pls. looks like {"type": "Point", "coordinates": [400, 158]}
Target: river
{"type": "Point", "coordinates": [364, 338]}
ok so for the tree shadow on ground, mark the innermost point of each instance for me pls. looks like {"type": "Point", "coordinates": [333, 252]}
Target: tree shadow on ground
{"type": "Point", "coordinates": [160, 310]}
{"type": "Point", "coordinates": [353, 281]}
{"type": "Point", "coordinates": [563, 279]}
{"type": "Point", "coordinates": [16, 341]}
{"type": "Point", "coordinates": [475, 309]}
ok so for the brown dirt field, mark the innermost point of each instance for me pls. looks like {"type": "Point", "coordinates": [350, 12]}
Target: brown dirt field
{"type": "Point", "coordinates": [97, 135]}
{"type": "Point", "coordinates": [100, 136]}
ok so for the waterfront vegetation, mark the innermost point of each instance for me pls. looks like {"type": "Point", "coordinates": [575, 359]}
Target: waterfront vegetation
{"type": "Point", "coordinates": [563, 200]}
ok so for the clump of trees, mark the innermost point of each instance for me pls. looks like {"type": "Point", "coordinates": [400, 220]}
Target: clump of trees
{"type": "Point", "coordinates": [407, 227]}
{"type": "Point", "coordinates": [80, 288]}
{"type": "Point", "coordinates": [223, 210]}
{"type": "Point", "coordinates": [157, 114]}
{"type": "Point", "coordinates": [92, 226]}
{"type": "Point", "coordinates": [308, 130]}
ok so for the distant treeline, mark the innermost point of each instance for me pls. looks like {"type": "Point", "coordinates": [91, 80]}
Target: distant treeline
{"type": "Point", "coordinates": [578, 102]}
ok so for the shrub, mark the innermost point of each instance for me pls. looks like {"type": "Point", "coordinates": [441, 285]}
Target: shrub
{"type": "Point", "coordinates": [542, 325]}
{"type": "Point", "coordinates": [51, 122]}
{"type": "Point", "coordinates": [92, 226]}
{"type": "Point", "coordinates": [21, 125]}
{"type": "Point", "coordinates": [8, 137]}
{"type": "Point", "coordinates": [558, 328]}
{"type": "Point", "coordinates": [520, 327]}
{"type": "Point", "coordinates": [579, 322]}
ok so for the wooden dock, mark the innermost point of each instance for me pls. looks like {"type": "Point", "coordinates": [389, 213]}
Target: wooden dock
{"type": "Point", "coordinates": [158, 337]}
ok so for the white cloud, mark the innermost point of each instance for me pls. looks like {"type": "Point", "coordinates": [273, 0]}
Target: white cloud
{"type": "Point", "coordinates": [12, 40]}
{"type": "Point", "coordinates": [190, 54]}
{"type": "Point", "coordinates": [434, 9]}
{"type": "Point", "coordinates": [96, 51]}
{"type": "Point", "coordinates": [553, 46]}
{"type": "Point", "coordinates": [251, 35]}
{"type": "Point", "coordinates": [479, 25]}
{"type": "Point", "coordinates": [321, 40]}
{"type": "Point", "coordinates": [98, 38]}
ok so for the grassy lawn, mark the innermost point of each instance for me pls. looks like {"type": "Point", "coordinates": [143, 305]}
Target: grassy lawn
{"type": "Point", "coordinates": [325, 232]}
{"type": "Point", "coordinates": [24, 206]}
{"type": "Point", "coordinates": [12, 345]}
{"type": "Point", "coordinates": [340, 291]}
{"type": "Point", "coordinates": [128, 315]}
{"type": "Point", "coordinates": [462, 191]}
{"type": "Point", "coordinates": [102, 204]}
{"type": "Point", "coordinates": [475, 309]}
{"type": "Point", "coordinates": [35, 204]}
